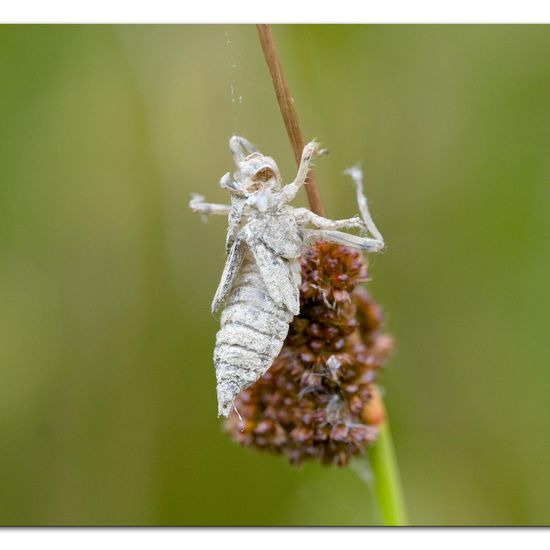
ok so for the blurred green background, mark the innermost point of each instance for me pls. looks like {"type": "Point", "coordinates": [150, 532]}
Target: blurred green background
{"type": "Point", "coordinates": [107, 397]}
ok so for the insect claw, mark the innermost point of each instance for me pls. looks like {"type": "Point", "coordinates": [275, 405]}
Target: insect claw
{"type": "Point", "coordinates": [355, 172]}
{"type": "Point", "coordinates": [195, 201]}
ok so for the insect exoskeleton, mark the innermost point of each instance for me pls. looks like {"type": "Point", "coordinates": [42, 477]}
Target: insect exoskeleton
{"type": "Point", "coordinates": [259, 287]}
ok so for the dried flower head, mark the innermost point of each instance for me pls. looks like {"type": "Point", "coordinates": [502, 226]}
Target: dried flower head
{"type": "Point", "coordinates": [319, 399]}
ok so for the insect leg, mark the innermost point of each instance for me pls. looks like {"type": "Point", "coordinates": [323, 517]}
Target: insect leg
{"type": "Point", "coordinates": [356, 175]}
{"type": "Point", "coordinates": [197, 204]}
{"type": "Point", "coordinates": [303, 216]}
{"type": "Point", "coordinates": [239, 146]}
{"type": "Point", "coordinates": [364, 243]}
{"type": "Point", "coordinates": [289, 191]}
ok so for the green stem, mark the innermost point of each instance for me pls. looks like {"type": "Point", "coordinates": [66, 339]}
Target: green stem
{"type": "Point", "coordinates": [387, 482]}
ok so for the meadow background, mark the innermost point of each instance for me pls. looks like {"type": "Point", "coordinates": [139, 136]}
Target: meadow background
{"type": "Point", "coordinates": [107, 389]}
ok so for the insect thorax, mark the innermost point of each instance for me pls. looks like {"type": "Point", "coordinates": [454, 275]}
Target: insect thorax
{"type": "Point", "coordinates": [278, 230]}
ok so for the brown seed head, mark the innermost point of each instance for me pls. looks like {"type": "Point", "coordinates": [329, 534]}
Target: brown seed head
{"type": "Point", "coordinates": [319, 399]}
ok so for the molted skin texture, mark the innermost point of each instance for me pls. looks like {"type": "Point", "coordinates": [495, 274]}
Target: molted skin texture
{"type": "Point", "coordinates": [260, 303]}
{"type": "Point", "coordinates": [253, 329]}
{"type": "Point", "coordinates": [261, 280]}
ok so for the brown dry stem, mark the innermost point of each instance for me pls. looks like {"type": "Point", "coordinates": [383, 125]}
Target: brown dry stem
{"type": "Point", "coordinates": [290, 117]}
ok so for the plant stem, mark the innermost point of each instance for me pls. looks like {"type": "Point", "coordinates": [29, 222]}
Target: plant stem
{"type": "Point", "coordinates": [382, 455]}
{"type": "Point", "coordinates": [290, 117]}
{"type": "Point", "coordinates": [387, 481]}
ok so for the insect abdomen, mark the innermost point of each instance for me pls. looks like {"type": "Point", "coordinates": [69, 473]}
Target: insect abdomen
{"type": "Point", "coordinates": [253, 329]}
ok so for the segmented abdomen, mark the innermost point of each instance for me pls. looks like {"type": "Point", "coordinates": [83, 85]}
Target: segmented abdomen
{"type": "Point", "coordinates": [253, 329]}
